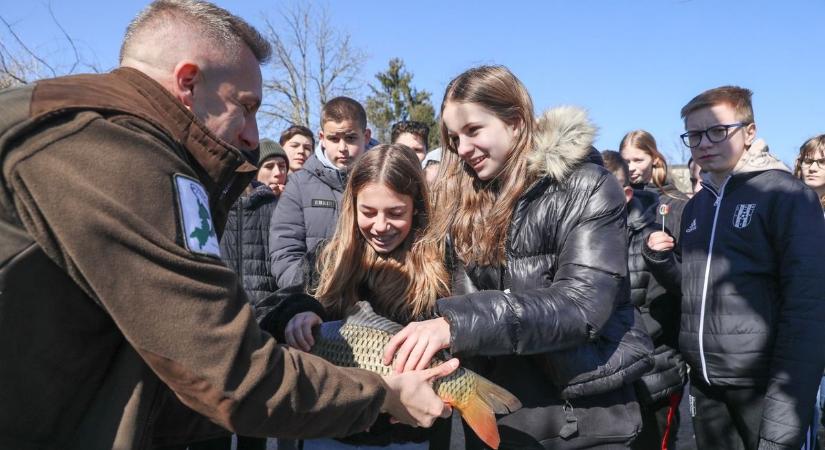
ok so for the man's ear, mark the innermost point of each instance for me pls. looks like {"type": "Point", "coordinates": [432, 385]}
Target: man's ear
{"type": "Point", "coordinates": [750, 134]}
{"type": "Point", "coordinates": [187, 74]}
{"type": "Point", "coordinates": [367, 136]}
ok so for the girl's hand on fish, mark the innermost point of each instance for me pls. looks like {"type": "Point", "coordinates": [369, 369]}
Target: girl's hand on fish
{"type": "Point", "coordinates": [298, 332]}
{"type": "Point", "coordinates": [415, 345]}
{"type": "Point", "coordinates": [659, 241]}
{"type": "Point", "coordinates": [410, 397]}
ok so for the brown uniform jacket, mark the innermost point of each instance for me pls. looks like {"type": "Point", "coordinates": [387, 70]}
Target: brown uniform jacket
{"type": "Point", "coordinates": [100, 297]}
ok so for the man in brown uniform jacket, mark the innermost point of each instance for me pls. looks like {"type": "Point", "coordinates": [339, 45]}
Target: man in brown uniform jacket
{"type": "Point", "coordinates": [114, 189]}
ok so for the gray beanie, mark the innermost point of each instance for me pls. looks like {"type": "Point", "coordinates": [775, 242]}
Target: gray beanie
{"type": "Point", "coordinates": [270, 149]}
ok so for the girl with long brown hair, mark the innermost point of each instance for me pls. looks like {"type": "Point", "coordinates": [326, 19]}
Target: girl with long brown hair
{"type": "Point", "coordinates": [536, 245]}
{"type": "Point", "coordinates": [375, 255]}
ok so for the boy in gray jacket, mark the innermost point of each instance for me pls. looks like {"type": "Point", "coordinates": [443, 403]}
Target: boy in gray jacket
{"type": "Point", "coordinates": [307, 211]}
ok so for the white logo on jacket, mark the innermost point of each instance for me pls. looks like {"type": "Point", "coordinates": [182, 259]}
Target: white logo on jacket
{"type": "Point", "coordinates": [692, 227]}
{"type": "Point", "coordinates": [743, 214]}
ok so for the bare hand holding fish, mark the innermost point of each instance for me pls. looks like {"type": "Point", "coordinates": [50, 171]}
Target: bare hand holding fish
{"type": "Point", "coordinates": [360, 340]}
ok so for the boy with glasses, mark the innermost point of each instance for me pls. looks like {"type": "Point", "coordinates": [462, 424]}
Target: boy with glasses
{"type": "Point", "coordinates": [753, 304]}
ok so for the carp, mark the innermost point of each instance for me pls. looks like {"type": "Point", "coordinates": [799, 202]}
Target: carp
{"type": "Point", "coordinates": [359, 341]}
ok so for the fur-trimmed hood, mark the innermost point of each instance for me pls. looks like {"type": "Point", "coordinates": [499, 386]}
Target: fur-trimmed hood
{"type": "Point", "coordinates": [563, 140]}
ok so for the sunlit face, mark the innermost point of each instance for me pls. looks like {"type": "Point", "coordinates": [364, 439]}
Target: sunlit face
{"type": "Point", "coordinates": [719, 159]}
{"type": "Point", "coordinates": [298, 149]}
{"type": "Point", "coordinates": [343, 142]}
{"type": "Point", "coordinates": [414, 142]}
{"type": "Point", "coordinates": [227, 101]}
{"type": "Point", "coordinates": [639, 163]}
{"type": "Point", "coordinates": [384, 216]}
{"type": "Point", "coordinates": [273, 173]}
{"type": "Point", "coordinates": [481, 139]}
{"type": "Point", "coordinates": [813, 174]}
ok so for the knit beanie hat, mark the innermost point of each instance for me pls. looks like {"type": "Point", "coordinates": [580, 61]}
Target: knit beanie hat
{"type": "Point", "coordinates": [270, 149]}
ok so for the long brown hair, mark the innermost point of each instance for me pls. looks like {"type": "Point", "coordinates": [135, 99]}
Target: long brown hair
{"type": "Point", "coordinates": [476, 213]}
{"type": "Point", "coordinates": [811, 149]}
{"type": "Point", "coordinates": [645, 142]}
{"type": "Point", "coordinates": [403, 284]}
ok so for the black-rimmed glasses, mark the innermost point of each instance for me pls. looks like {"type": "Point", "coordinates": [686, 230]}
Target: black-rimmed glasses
{"type": "Point", "coordinates": [810, 162]}
{"type": "Point", "coordinates": [715, 134]}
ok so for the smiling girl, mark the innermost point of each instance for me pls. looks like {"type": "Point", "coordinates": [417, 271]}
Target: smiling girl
{"type": "Point", "coordinates": [538, 253]}
{"type": "Point", "coordinates": [374, 255]}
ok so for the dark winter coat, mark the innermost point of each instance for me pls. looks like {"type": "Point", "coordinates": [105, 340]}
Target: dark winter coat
{"type": "Point", "coordinates": [660, 308]}
{"type": "Point", "coordinates": [306, 214]}
{"type": "Point", "coordinates": [245, 241]}
{"type": "Point", "coordinates": [555, 326]}
{"type": "Point", "coordinates": [753, 301]}
{"type": "Point", "coordinates": [668, 195]}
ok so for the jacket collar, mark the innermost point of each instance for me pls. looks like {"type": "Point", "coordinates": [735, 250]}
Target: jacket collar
{"type": "Point", "coordinates": [334, 178]}
{"type": "Point", "coordinates": [224, 170]}
{"type": "Point", "coordinates": [563, 141]}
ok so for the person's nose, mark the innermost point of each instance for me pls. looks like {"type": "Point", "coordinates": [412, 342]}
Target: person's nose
{"type": "Point", "coordinates": [465, 148]}
{"type": "Point", "coordinates": [249, 134]}
{"type": "Point", "coordinates": [705, 143]}
{"type": "Point", "coordinates": [382, 225]}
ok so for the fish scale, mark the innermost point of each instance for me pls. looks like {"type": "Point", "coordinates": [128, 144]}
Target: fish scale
{"type": "Point", "coordinates": [359, 341]}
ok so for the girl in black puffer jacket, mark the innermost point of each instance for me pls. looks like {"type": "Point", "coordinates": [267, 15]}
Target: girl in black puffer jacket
{"type": "Point", "coordinates": [540, 297]}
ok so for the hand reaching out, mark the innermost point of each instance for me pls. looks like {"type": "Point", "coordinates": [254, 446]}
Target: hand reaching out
{"type": "Point", "coordinates": [415, 345]}
{"type": "Point", "coordinates": [298, 332]}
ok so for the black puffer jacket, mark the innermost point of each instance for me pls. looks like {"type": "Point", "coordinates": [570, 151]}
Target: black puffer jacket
{"type": "Point", "coordinates": [245, 241]}
{"type": "Point", "coordinates": [555, 326]}
{"type": "Point", "coordinates": [752, 308]}
{"type": "Point", "coordinates": [660, 307]}
{"type": "Point", "coordinates": [668, 195]}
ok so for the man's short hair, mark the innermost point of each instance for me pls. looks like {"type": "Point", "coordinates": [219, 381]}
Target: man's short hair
{"type": "Point", "coordinates": [340, 109]}
{"type": "Point", "coordinates": [737, 97]}
{"type": "Point", "coordinates": [217, 24]}
{"type": "Point", "coordinates": [410, 126]}
{"type": "Point", "coordinates": [295, 130]}
{"type": "Point", "coordinates": [614, 162]}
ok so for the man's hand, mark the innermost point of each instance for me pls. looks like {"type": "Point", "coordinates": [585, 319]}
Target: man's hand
{"type": "Point", "coordinates": [410, 398]}
{"type": "Point", "coordinates": [416, 344]}
{"type": "Point", "coordinates": [298, 332]}
{"type": "Point", "coordinates": [659, 241]}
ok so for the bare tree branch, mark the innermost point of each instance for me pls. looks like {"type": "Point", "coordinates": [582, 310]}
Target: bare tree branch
{"type": "Point", "coordinates": [312, 63]}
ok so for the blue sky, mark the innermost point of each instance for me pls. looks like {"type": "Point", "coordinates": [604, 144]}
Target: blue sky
{"type": "Point", "coordinates": [632, 64]}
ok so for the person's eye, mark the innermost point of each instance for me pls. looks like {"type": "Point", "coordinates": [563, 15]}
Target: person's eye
{"type": "Point", "coordinates": [472, 131]}
{"type": "Point", "coordinates": [351, 139]}
{"type": "Point", "coordinates": [717, 132]}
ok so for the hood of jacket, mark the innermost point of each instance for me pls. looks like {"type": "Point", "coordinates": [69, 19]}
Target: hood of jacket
{"type": "Point", "coordinates": [331, 176]}
{"type": "Point", "coordinates": [563, 141]}
{"type": "Point", "coordinates": [757, 158]}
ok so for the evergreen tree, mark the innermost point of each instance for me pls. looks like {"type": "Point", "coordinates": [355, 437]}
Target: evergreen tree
{"type": "Point", "coordinates": [394, 99]}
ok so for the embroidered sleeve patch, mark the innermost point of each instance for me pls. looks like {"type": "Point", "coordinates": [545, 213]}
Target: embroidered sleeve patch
{"type": "Point", "coordinates": [323, 203]}
{"type": "Point", "coordinates": [195, 219]}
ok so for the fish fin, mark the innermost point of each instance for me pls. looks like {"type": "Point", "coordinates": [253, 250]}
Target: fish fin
{"type": "Point", "coordinates": [500, 400]}
{"type": "Point", "coordinates": [481, 419]}
{"type": "Point", "coordinates": [481, 406]}
{"type": "Point", "coordinates": [362, 314]}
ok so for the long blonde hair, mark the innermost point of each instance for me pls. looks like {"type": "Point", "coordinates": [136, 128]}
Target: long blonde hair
{"type": "Point", "coordinates": [645, 142]}
{"type": "Point", "coordinates": [403, 284]}
{"type": "Point", "coordinates": [811, 149]}
{"type": "Point", "coordinates": [476, 214]}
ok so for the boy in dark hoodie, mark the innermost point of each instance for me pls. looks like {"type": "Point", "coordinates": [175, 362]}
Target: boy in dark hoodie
{"type": "Point", "coordinates": [752, 304]}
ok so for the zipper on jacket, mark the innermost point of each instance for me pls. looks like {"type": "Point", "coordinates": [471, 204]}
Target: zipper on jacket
{"type": "Point", "coordinates": [239, 239]}
{"type": "Point", "coordinates": [718, 205]}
